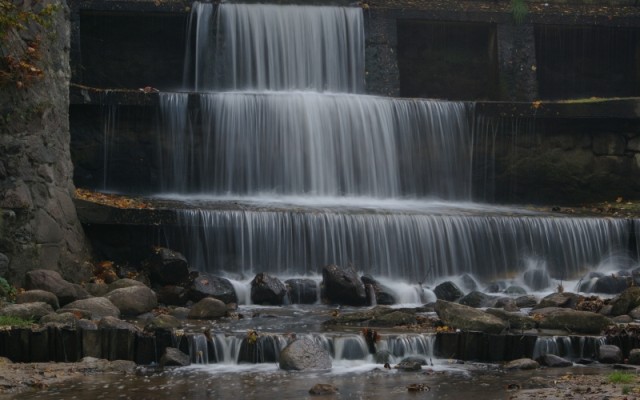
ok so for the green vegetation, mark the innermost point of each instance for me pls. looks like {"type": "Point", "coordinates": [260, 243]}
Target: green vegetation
{"type": "Point", "coordinates": [14, 321]}
{"type": "Point", "coordinates": [6, 290]}
{"type": "Point", "coordinates": [621, 377]}
{"type": "Point", "coordinates": [519, 11]}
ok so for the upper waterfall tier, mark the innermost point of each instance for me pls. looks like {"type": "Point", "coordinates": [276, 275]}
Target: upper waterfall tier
{"type": "Point", "coordinates": [305, 143]}
{"type": "Point", "coordinates": [275, 47]}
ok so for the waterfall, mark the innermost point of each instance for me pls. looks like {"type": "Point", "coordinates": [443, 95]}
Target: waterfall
{"type": "Point", "coordinates": [275, 47]}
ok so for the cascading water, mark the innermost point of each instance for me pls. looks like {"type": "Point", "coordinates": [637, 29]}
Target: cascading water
{"type": "Point", "coordinates": [285, 180]}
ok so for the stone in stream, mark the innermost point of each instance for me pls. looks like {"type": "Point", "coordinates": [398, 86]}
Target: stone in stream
{"type": "Point", "coordinates": [467, 318]}
{"type": "Point", "coordinates": [526, 301]}
{"type": "Point", "coordinates": [634, 357]}
{"type": "Point", "coordinates": [448, 291]}
{"type": "Point", "coordinates": [302, 291]}
{"type": "Point", "coordinates": [609, 354]}
{"type": "Point", "coordinates": [266, 289]}
{"type": "Point", "coordinates": [570, 320]}
{"type": "Point", "coordinates": [515, 320]}
{"type": "Point", "coordinates": [173, 357]}
{"type": "Point", "coordinates": [609, 284]}
{"type": "Point", "coordinates": [304, 354]}
{"type": "Point", "coordinates": [477, 299]}
{"type": "Point", "coordinates": [564, 300]}
{"type": "Point", "coordinates": [553, 361]}
{"type": "Point", "coordinates": [51, 281]}
{"type": "Point", "coordinates": [522, 363]}
{"type": "Point", "coordinates": [382, 293]}
{"type": "Point", "coordinates": [206, 285]}
{"type": "Point", "coordinates": [323, 389]}
{"type": "Point", "coordinates": [208, 308]}
{"type": "Point", "coordinates": [343, 286]}
{"type": "Point", "coordinates": [168, 267]}
{"type": "Point", "coordinates": [625, 301]}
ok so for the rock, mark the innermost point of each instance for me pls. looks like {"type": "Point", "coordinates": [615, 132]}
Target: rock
{"type": "Point", "coordinates": [97, 289]}
{"type": "Point", "coordinates": [537, 279]}
{"type": "Point", "coordinates": [97, 307]}
{"type": "Point", "coordinates": [304, 354]}
{"type": "Point", "coordinates": [27, 311]}
{"type": "Point", "coordinates": [208, 308]}
{"type": "Point", "coordinates": [124, 283]}
{"type": "Point", "coordinates": [173, 357]}
{"type": "Point", "coordinates": [51, 281]}
{"type": "Point", "coordinates": [31, 296]}
{"type": "Point", "coordinates": [302, 291]}
{"type": "Point", "coordinates": [418, 360]}
{"type": "Point", "coordinates": [467, 318]}
{"type": "Point", "coordinates": [394, 318]}
{"type": "Point", "coordinates": [382, 357]}
{"type": "Point", "coordinates": [626, 301]}
{"type": "Point", "coordinates": [507, 303]}
{"type": "Point", "coordinates": [515, 290]}
{"type": "Point", "coordinates": [606, 310]}
{"type": "Point", "coordinates": [610, 284]}
{"type": "Point", "coordinates": [609, 354]}
{"type": "Point", "coordinates": [515, 320]}
{"type": "Point", "coordinates": [172, 295]}
{"type": "Point", "coordinates": [163, 321]}
{"type": "Point", "coordinates": [266, 289]}
{"type": "Point", "coordinates": [564, 300]}
{"type": "Point", "coordinates": [468, 282]}
{"type": "Point", "coordinates": [65, 318]}
{"type": "Point", "coordinates": [448, 291]}
{"type": "Point", "coordinates": [168, 267]}
{"type": "Point", "coordinates": [527, 301]}
{"type": "Point", "coordinates": [180, 312]}
{"type": "Point", "coordinates": [635, 313]}
{"type": "Point", "coordinates": [133, 300]}
{"type": "Point", "coordinates": [360, 317]}
{"type": "Point", "coordinates": [634, 357]}
{"type": "Point", "coordinates": [622, 319]}
{"type": "Point", "coordinates": [116, 323]}
{"type": "Point", "coordinates": [342, 286]}
{"type": "Point", "coordinates": [382, 293]}
{"type": "Point", "coordinates": [522, 363]}
{"type": "Point", "coordinates": [206, 285]}
{"type": "Point", "coordinates": [477, 299]}
{"type": "Point", "coordinates": [495, 287]}
{"type": "Point", "coordinates": [409, 366]}
{"type": "Point", "coordinates": [570, 320]}
{"type": "Point", "coordinates": [323, 389]}
{"type": "Point", "coordinates": [553, 361]}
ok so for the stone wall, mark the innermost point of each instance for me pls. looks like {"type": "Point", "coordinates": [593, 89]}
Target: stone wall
{"type": "Point", "coordinates": [39, 227]}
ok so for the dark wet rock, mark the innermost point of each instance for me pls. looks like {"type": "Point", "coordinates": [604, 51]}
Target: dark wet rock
{"type": "Point", "coordinates": [507, 303]}
{"type": "Point", "coordinates": [515, 320]}
{"type": "Point", "coordinates": [635, 313]}
{"type": "Point", "coordinates": [266, 289]}
{"type": "Point", "coordinates": [609, 354]}
{"type": "Point", "coordinates": [467, 318]}
{"type": "Point", "coordinates": [172, 295]}
{"type": "Point", "coordinates": [382, 293]}
{"type": "Point", "coordinates": [168, 267]}
{"type": "Point", "coordinates": [31, 296]}
{"type": "Point", "coordinates": [97, 307]}
{"type": "Point", "coordinates": [302, 291]}
{"type": "Point", "coordinates": [359, 317]}
{"type": "Point", "coordinates": [163, 321]}
{"type": "Point", "coordinates": [173, 357]}
{"type": "Point", "coordinates": [206, 285]}
{"type": "Point", "coordinates": [553, 361]}
{"type": "Point", "coordinates": [65, 318]}
{"type": "Point", "coordinates": [27, 311]}
{"type": "Point", "coordinates": [622, 319]}
{"type": "Point", "coordinates": [208, 308]}
{"type": "Point", "coordinates": [51, 281]}
{"type": "Point", "coordinates": [323, 389]}
{"type": "Point", "coordinates": [448, 291]}
{"type": "Point", "coordinates": [97, 289]}
{"type": "Point", "coordinates": [394, 318]}
{"type": "Point", "coordinates": [418, 360]}
{"type": "Point", "coordinates": [468, 282]}
{"type": "Point", "coordinates": [515, 290]}
{"type": "Point", "coordinates": [606, 310]}
{"type": "Point", "coordinates": [133, 300]}
{"type": "Point", "coordinates": [180, 312]}
{"type": "Point", "coordinates": [342, 286]}
{"type": "Point", "coordinates": [382, 357]}
{"type": "Point", "coordinates": [570, 320]}
{"type": "Point", "coordinates": [634, 357]}
{"type": "Point", "coordinates": [610, 284]}
{"type": "Point", "coordinates": [116, 323]}
{"type": "Point", "coordinates": [124, 283]}
{"type": "Point", "coordinates": [626, 301]}
{"type": "Point", "coordinates": [409, 366]}
{"type": "Point", "coordinates": [527, 301]}
{"type": "Point", "coordinates": [495, 287]}
{"type": "Point", "coordinates": [522, 363]}
{"type": "Point", "coordinates": [477, 299]}
{"type": "Point", "coordinates": [304, 354]}
{"type": "Point", "coordinates": [564, 300]}
{"type": "Point", "coordinates": [537, 279]}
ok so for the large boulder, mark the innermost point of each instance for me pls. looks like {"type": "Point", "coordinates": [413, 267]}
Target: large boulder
{"type": "Point", "coordinates": [163, 321]}
{"type": "Point", "coordinates": [266, 289]}
{"type": "Point", "coordinates": [123, 283]}
{"type": "Point", "coordinates": [564, 300]}
{"type": "Point", "coordinates": [304, 354]}
{"type": "Point", "coordinates": [133, 300]}
{"type": "Point", "coordinates": [527, 301]}
{"type": "Point", "coordinates": [570, 320]}
{"type": "Point", "coordinates": [515, 320]}
{"type": "Point", "coordinates": [31, 296]}
{"type": "Point", "coordinates": [382, 293]}
{"type": "Point", "coordinates": [477, 299]}
{"type": "Point", "coordinates": [609, 354]}
{"type": "Point", "coordinates": [626, 301]}
{"type": "Point", "coordinates": [51, 281]}
{"type": "Point", "coordinates": [343, 286]}
{"type": "Point", "coordinates": [609, 284]}
{"type": "Point", "coordinates": [173, 357]}
{"type": "Point", "coordinates": [302, 291]}
{"type": "Point", "coordinates": [168, 267]}
{"type": "Point", "coordinates": [634, 357]}
{"type": "Point", "coordinates": [206, 285]}
{"type": "Point", "coordinates": [448, 291]}
{"type": "Point", "coordinates": [97, 307]}
{"type": "Point", "coordinates": [468, 318]}
{"type": "Point", "coordinates": [208, 308]}
{"type": "Point", "coordinates": [28, 311]}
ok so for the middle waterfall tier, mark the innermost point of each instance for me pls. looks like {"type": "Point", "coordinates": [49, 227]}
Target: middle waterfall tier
{"type": "Point", "coordinates": [305, 143]}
